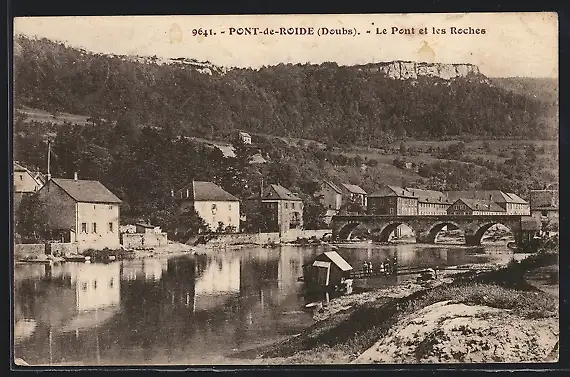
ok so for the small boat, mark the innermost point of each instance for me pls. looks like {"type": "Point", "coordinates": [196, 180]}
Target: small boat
{"type": "Point", "coordinates": [76, 258]}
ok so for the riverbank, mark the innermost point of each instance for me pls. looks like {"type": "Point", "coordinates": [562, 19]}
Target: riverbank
{"type": "Point", "coordinates": [500, 315]}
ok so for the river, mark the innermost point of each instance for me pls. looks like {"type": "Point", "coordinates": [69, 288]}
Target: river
{"type": "Point", "coordinates": [188, 309]}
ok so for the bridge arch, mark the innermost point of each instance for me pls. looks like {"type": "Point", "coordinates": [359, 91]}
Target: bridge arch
{"type": "Point", "coordinates": [385, 230]}
{"type": "Point", "coordinates": [437, 227]}
{"type": "Point", "coordinates": [346, 230]}
{"type": "Point", "coordinates": [476, 235]}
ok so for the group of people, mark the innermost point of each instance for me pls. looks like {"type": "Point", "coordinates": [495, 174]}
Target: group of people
{"type": "Point", "coordinates": [384, 267]}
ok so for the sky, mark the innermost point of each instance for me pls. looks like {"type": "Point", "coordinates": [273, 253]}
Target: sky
{"type": "Point", "coordinates": [514, 44]}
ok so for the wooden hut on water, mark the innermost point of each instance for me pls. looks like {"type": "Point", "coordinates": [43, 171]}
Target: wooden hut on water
{"type": "Point", "coordinates": [328, 269]}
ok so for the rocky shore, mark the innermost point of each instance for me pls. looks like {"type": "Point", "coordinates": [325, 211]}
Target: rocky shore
{"type": "Point", "coordinates": [508, 313]}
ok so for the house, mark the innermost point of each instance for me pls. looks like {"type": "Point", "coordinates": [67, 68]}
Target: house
{"type": "Point", "coordinates": [465, 206]}
{"type": "Point", "coordinates": [257, 158]}
{"type": "Point", "coordinates": [277, 208]}
{"type": "Point", "coordinates": [147, 228]}
{"type": "Point", "coordinates": [244, 137]}
{"type": "Point", "coordinates": [211, 202]}
{"type": "Point", "coordinates": [544, 206]}
{"type": "Point", "coordinates": [82, 212]}
{"type": "Point", "coordinates": [354, 193]}
{"type": "Point", "coordinates": [331, 195]}
{"type": "Point", "coordinates": [430, 202]}
{"type": "Point", "coordinates": [24, 183]}
{"type": "Point", "coordinates": [392, 200]}
{"type": "Point", "coordinates": [510, 202]}
{"type": "Point", "coordinates": [328, 269]}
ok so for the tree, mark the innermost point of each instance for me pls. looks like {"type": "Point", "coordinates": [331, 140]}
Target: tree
{"type": "Point", "coordinates": [314, 213]}
{"type": "Point", "coordinates": [352, 206]}
{"type": "Point", "coordinates": [189, 223]}
{"type": "Point", "coordinates": [403, 149]}
{"type": "Point", "coordinates": [30, 219]}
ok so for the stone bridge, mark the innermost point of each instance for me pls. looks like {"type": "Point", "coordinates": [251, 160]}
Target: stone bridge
{"type": "Point", "coordinates": [426, 227]}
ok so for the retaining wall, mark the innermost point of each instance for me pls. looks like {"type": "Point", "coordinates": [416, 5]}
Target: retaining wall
{"type": "Point", "coordinates": [267, 238]}
{"type": "Point", "coordinates": [59, 249]}
{"type": "Point", "coordinates": [134, 240]}
{"type": "Point", "coordinates": [29, 250]}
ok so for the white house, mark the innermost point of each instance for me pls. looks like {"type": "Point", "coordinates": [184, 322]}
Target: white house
{"type": "Point", "coordinates": [82, 212]}
{"type": "Point", "coordinates": [211, 202]}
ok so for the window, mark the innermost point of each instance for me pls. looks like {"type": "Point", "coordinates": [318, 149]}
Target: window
{"type": "Point", "coordinates": [83, 227]}
{"type": "Point", "coordinates": [21, 177]}
{"type": "Point", "coordinates": [293, 205]}
{"type": "Point", "coordinates": [391, 211]}
{"type": "Point", "coordinates": [286, 205]}
{"type": "Point", "coordinates": [111, 283]}
{"type": "Point", "coordinates": [110, 227]}
{"type": "Point", "coordinates": [94, 227]}
{"type": "Point", "coordinates": [110, 207]}
{"type": "Point", "coordinates": [544, 213]}
{"type": "Point", "coordinates": [230, 207]}
{"type": "Point", "coordinates": [93, 206]}
{"type": "Point", "coordinates": [214, 207]}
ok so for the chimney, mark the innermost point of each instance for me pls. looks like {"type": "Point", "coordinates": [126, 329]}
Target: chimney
{"type": "Point", "coordinates": [75, 176]}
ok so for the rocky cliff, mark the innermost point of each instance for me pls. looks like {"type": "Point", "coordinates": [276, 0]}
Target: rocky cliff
{"type": "Point", "coordinates": [412, 70]}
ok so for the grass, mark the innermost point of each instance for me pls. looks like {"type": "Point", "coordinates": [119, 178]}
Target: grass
{"type": "Point", "coordinates": [351, 332]}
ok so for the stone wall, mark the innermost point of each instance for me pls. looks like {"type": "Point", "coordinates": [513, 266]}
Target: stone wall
{"type": "Point", "coordinates": [267, 238]}
{"type": "Point", "coordinates": [134, 240]}
{"type": "Point", "coordinates": [59, 249]}
{"type": "Point", "coordinates": [24, 250]}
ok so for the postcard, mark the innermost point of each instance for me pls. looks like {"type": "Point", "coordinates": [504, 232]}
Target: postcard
{"type": "Point", "coordinates": [285, 189]}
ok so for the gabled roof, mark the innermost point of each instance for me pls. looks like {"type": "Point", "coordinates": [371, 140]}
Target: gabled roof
{"type": "Point", "coordinates": [429, 196]}
{"type": "Point", "coordinates": [481, 205]}
{"type": "Point", "coordinates": [494, 195]}
{"type": "Point", "coordinates": [244, 134]}
{"type": "Point", "coordinates": [389, 190]}
{"type": "Point", "coordinates": [547, 199]}
{"type": "Point", "coordinates": [204, 191]}
{"type": "Point", "coordinates": [18, 167]}
{"type": "Point", "coordinates": [278, 192]}
{"type": "Point", "coordinates": [86, 191]}
{"type": "Point", "coordinates": [338, 260]}
{"type": "Point", "coordinates": [333, 186]}
{"type": "Point", "coordinates": [354, 189]}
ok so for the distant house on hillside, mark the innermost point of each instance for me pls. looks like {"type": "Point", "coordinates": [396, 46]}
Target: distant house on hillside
{"type": "Point", "coordinates": [510, 202]}
{"type": "Point", "coordinates": [392, 200]}
{"type": "Point", "coordinates": [211, 202]}
{"type": "Point", "coordinates": [277, 210]}
{"type": "Point", "coordinates": [466, 206]}
{"type": "Point", "coordinates": [83, 212]}
{"type": "Point", "coordinates": [544, 206]}
{"type": "Point", "coordinates": [354, 193]}
{"type": "Point", "coordinates": [245, 137]}
{"type": "Point", "coordinates": [430, 202]}
{"type": "Point", "coordinates": [25, 182]}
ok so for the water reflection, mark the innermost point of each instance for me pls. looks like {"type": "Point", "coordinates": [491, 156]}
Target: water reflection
{"type": "Point", "coordinates": [184, 309]}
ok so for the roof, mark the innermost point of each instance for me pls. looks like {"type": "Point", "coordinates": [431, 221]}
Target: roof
{"type": "Point", "coordinates": [278, 192]}
{"type": "Point", "coordinates": [333, 186]}
{"type": "Point", "coordinates": [245, 134]}
{"type": "Point", "coordinates": [544, 199]}
{"type": "Point", "coordinates": [205, 191]}
{"type": "Point", "coordinates": [145, 225]}
{"type": "Point", "coordinates": [319, 263]}
{"type": "Point", "coordinates": [481, 205]}
{"type": "Point", "coordinates": [389, 190]}
{"type": "Point", "coordinates": [494, 195]}
{"type": "Point", "coordinates": [338, 260]}
{"type": "Point", "coordinates": [354, 189]}
{"type": "Point", "coordinates": [429, 196]}
{"type": "Point", "coordinates": [18, 167]}
{"type": "Point", "coordinates": [257, 159]}
{"type": "Point", "coordinates": [86, 191]}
